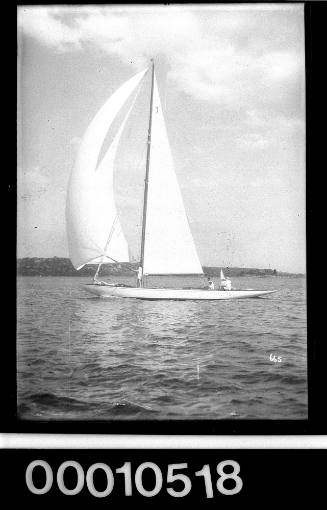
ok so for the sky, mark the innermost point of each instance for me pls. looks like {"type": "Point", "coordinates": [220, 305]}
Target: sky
{"type": "Point", "coordinates": [232, 85]}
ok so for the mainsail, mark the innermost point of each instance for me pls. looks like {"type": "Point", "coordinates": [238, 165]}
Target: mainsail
{"type": "Point", "coordinates": [168, 246]}
{"type": "Point", "coordinates": [91, 215]}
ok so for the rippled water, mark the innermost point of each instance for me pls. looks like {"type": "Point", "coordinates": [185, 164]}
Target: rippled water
{"type": "Point", "coordinates": [81, 357]}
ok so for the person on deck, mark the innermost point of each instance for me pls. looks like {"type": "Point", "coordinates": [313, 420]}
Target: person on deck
{"type": "Point", "coordinates": [226, 284]}
{"type": "Point", "coordinates": [211, 284]}
{"type": "Point", "coordinates": [139, 277]}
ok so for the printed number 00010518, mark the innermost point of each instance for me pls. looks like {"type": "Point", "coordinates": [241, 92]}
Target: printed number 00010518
{"type": "Point", "coordinates": [174, 474]}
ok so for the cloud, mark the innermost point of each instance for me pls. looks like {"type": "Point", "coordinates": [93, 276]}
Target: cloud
{"type": "Point", "coordinates": [76, 140]}
{"type": "Point", "coordinates": [75, 143]}
{"type": "Point", "coordinates": [253, 141]}
{"type": "Point", "coordinates": [281, 65]}
{"type": "Point", "coordinates": [31, 183]}
{"type": "Point", "coordinates": [44, 25]}
{"type": "Point", "coordinates": [223, 56]}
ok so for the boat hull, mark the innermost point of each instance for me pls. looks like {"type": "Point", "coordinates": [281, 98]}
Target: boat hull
{"type": "Point", "coordinates": [104, 291]}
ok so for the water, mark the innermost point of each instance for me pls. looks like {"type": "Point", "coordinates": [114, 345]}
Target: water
{"type": "Point", "coordinates": [83, 358]}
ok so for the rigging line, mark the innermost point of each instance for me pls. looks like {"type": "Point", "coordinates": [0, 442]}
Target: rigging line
{"type": "Point", "coordinates": [135, 168]}
{"type": "Point", "coordinates": [108, 257]}
{"type": "Point", "coordinates": [117, 262]}
{"type": "Point", "coordinates": [106, 246]}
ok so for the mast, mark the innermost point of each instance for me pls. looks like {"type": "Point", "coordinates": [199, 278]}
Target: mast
{"type": "Point", "coordinates": [146, 179]}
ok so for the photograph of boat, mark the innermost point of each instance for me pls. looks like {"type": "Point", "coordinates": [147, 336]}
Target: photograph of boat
{"type": "Point", "coordinates": [161, 213]}
{"type": "Point", "coordinates": [167, 245]}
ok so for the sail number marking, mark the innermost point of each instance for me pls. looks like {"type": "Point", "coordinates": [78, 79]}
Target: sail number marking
{"type": "Point", "coordinates": [228, 482]}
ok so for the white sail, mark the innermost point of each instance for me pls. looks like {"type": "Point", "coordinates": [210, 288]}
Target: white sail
{"type": "Point", "coordinates": [169, 247]}
{"type": "Point", "coordinates": [222, 276]}
{"type": "Point", "coordinates": [104, 210]}
{"type": "Point", "coordinates": [94, 231]}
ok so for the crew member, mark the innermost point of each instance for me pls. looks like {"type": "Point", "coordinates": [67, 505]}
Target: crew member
{"type": "Point", "coordinates": [226, 284]}
{"type": "Point", "coordinates": [210, 284]}
{"type": "Point", "coordinates": [139, 276]}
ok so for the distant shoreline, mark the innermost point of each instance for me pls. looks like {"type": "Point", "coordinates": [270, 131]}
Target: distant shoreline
{"type": "Point", "coordinates": [60, 266]}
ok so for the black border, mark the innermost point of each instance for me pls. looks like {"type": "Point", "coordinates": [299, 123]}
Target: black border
{"type": "Point", "coordinates": [315, 42]}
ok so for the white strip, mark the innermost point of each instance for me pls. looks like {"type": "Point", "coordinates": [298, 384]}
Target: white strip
{"type": "Point", "coordinates": [133, 442]}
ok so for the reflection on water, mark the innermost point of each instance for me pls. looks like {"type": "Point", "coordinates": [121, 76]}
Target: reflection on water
{"type": "Point", "coordinates": [80, 357]}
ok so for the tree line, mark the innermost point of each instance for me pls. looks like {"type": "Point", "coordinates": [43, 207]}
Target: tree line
{"type": "Point", "coordinates": [61, 266]}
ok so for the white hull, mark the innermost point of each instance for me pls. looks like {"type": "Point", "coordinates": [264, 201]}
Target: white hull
{"type": "Point", "coordinates": [180, 294]}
